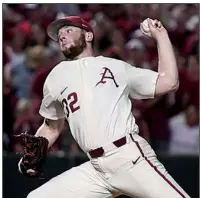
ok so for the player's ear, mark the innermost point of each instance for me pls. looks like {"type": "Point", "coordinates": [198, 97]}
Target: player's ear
{"type": "Point", "coordinates": [89, 36]}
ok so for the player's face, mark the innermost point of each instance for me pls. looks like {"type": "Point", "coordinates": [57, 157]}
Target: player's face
{"type": "Point", "coordinates": [72, 41]}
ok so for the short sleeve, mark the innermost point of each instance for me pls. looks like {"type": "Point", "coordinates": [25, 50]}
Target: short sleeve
{"type": "Point", "coordinates": [50, 108]}
{"type": "Point", "coordinates": [142, 82]}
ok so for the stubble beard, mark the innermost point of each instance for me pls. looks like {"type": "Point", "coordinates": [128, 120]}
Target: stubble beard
{"type": "Point", "coordinates": [72, 52]}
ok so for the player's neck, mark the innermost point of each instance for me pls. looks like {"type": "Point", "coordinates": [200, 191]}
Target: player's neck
{"type": "Point", "coordinates": [84, 54]}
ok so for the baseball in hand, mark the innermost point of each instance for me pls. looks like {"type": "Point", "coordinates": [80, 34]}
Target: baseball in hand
{"type": "Point", "coordinates": [145, 27]}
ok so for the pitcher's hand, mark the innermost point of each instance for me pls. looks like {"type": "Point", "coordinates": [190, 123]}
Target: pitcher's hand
{"type": "Point", "coordinates": [153, 28]}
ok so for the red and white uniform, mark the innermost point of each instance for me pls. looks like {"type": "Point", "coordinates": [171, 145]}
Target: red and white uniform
{"type": "Point", "coordinates": [93, 94]}
{"type": "Point", "coordinates": [96, 90]}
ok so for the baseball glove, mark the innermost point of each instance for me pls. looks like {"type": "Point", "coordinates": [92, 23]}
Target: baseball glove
{"type": "Point", "coordinates": [35, 152]}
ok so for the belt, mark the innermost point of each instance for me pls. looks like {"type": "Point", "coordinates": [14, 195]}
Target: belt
{"type": "Point", "coordinates": [98, 152]}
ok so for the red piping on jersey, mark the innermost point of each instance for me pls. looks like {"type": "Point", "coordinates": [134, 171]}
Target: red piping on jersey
{"type": "Point", "coordinates": [155, 168]}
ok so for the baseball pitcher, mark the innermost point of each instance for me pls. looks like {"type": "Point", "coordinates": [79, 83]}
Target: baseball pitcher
{"type": "Point", "coordinates": [92, 94]}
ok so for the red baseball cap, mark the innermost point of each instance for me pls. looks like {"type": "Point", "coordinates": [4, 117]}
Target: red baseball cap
{"type": "Point", "coordinates": [76, 21]}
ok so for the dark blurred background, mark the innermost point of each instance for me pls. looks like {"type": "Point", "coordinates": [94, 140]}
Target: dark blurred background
{"type": "Point", "coordinates": [169, 123]}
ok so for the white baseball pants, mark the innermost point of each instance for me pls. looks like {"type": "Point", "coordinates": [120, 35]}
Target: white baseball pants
{"type": "Point", "coordinates": [132, 169]}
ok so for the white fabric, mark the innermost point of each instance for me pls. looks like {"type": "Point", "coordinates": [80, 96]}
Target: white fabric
{"type": "Point", "coordinates": [99, 112]}
{"type": "Point", "coordinates": [142, 82]}
{"type": "Point", "coordinates": [50, 108]}
{"type": "Point", "coordinates": [123, 170]}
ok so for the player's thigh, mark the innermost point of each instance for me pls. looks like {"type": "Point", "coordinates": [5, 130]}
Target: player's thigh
{"type": "Point", "coordinates": [159, 182]}
{"type": "Point", "coordinates": [81, 181]}
{"type": "Point", "coordinates": [143, 180]}
{"type": "Point", "coordinates": [155, 180]}
{"type": "Point", "coordinates": [144, 176]}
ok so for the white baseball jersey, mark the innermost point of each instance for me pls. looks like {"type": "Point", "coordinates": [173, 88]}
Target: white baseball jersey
{"type": "Point", "coordinates": [92, 93]}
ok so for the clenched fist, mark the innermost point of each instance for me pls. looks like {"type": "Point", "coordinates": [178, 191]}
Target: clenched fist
{"type": "Point", "coordinates": [152, 28]}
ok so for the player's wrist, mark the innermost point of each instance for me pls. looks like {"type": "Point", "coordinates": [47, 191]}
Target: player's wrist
{"type": "Point", "coordinates": [162, 36]}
